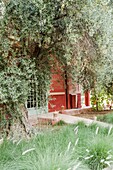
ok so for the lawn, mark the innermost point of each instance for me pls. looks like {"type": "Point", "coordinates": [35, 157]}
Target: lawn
{"type": "Point", "coordinates": [72, 147]}
{"type": "Point", "coordinates": [108, 118]}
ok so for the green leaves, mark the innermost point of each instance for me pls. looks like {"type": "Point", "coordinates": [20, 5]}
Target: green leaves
{"type": "Point", "coordinates": [36, 34]}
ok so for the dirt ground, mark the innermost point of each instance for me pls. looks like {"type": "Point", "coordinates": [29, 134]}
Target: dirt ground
{"type": "Point", "coordinates": [94, 114]}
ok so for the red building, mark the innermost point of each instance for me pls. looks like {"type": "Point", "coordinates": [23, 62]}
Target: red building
{"type": "Point", "coordinates": [65, 96]}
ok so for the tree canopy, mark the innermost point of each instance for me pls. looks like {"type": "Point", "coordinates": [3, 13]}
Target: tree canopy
{"type": "Point", "coordinates": [36, 33]}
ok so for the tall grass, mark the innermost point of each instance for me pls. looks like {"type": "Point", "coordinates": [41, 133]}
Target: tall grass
{"type": "Point", "coordinates": [70, 148]}
{"type": "Point", "coordinates": [99, 153]}
{"type": "Point", "coordinates": [106, 118]}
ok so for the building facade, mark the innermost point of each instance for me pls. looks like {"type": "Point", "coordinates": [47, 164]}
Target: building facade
{"type": "Point", "coordinates": [64, 95]}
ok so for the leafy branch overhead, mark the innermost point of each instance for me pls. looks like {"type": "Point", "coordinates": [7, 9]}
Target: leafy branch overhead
{"type": "Point", "coordinates": [35, 34]}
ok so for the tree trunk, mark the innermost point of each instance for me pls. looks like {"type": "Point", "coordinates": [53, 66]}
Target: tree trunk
{"type": "Point", "coordinates": [18, 127]}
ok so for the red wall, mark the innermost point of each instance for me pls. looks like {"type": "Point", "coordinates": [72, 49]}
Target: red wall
{"type": "Point", "coordinates": [87, 98]}
{"type": "Point", "coordinates": [57, 102]}
{"type": "Point", "coordinates": [57, 94]}
{"type": "Point", "coordinates": [57, 83]}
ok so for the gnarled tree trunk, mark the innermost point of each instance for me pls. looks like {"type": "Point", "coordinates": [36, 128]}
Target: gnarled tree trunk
{"type": "Point", "coordinates": [17, 126]}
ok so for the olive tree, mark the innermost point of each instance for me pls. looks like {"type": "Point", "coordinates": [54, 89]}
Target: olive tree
{"type": "Point", "coordinates": [37, 34]}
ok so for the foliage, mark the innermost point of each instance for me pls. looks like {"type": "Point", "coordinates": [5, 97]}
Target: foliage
{"type": "Point", "coordinates": [97, 98]}
{"type": "Point", "coordinates": [100, 98]}
{"type": "Point", "coordinates": [29, 33]}
{"type": "Point", "coordinates": [35, 35]}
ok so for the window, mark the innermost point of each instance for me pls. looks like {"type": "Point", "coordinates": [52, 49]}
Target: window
{"type": "Point", "coordinates": [31, 102]}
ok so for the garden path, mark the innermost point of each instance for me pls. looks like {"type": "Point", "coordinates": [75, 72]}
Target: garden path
{"type": "Point", "coordinates": [66, 118]}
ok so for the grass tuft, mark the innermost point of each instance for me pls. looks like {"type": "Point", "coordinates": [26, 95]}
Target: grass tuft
{"type": "Point", "coordinates": [106, 118]}
{"type": "Point", "coordinates": [72, 147]}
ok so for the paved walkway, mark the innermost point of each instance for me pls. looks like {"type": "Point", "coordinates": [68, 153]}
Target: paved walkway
{"type": "Point", "coordinates": [66, 118]}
